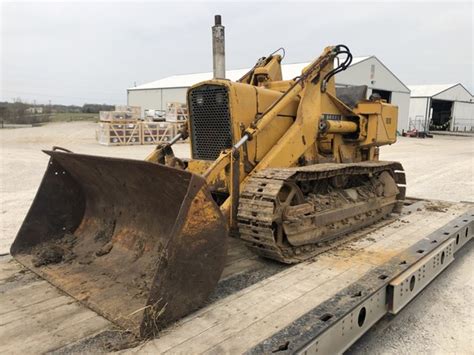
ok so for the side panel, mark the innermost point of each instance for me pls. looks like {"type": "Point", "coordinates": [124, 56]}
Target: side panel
{"type": "Point", "coordinates": [382, 123]}
{"type": "Point", "coordinates": [417, 114]}
{"type": "Point", "coordinates": [268, 137]}
{"type": "Point", "coordinates": [387, 125]}
{"type": "Point", "coordinates": [301, 136]}
{"type": "Point", "coordinates": [402, 100]}
{"type": "Point", "coordinates": [463, 116]}
{"type": "Point", "coordinates": [245, 103]}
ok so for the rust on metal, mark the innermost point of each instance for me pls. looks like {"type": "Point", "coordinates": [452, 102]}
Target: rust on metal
{"type": "Point", "coordinates": [290, 214]}
{"type": "Point", "coordinates": [141, 244]}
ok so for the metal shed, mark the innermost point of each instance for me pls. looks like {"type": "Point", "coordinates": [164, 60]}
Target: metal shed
{"type": "Point", "coordinates": [368, 71]}
{"type": "Point", "coordinates": [448, 107]}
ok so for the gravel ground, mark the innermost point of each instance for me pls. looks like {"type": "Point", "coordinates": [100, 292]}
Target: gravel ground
{"type": "Point", "coordinates": [438, 321]}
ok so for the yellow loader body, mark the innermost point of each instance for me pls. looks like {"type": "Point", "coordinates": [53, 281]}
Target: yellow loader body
{"type": "Point", "coordinates": [282, 165]}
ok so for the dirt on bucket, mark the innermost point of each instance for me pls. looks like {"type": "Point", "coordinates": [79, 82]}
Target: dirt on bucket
{"type": "Point", "coordinates": [55, 251]}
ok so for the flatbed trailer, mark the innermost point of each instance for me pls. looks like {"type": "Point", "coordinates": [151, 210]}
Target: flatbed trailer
{"type": "Point", "coordinates": [320, 306]}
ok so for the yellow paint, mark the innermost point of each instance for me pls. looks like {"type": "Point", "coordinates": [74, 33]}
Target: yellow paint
{"type": "Point", "coordinates": [282, 120]}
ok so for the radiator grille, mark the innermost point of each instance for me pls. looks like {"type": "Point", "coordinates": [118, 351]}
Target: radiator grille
{"type": "Point", "coordinates": [210, 121]}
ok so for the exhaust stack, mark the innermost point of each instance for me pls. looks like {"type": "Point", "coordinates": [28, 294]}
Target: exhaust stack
{"type": "Point", "coordinates": [218, 48]}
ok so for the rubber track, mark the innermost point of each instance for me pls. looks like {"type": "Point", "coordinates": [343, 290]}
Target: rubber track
{"type": "Point", "coordinates": [259, 197]}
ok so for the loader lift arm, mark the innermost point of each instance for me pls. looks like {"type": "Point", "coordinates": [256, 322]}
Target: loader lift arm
{"type": "Point", "coordinates": [301, 135]}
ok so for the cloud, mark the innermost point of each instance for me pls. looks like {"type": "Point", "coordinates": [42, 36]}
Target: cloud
{"type": "Point", "coordinates": [71, 52]}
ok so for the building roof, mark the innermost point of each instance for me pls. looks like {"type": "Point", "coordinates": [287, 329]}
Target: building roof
{"type": "Point", "coordinates": [289, 71]}
{"type": "Point", "coordinates": [429, 90]}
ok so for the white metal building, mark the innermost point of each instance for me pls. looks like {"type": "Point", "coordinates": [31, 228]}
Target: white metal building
{"type": "Point", "coordinates": [448, 107]}
{"type": "Point", "coordinates": [368, 71]}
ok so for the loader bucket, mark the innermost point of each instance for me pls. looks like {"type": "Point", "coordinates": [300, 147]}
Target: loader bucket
{"type": "Point", "coordinates": [140, 243]}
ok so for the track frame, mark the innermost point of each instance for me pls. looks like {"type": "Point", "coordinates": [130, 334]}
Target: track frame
{"type": "Point", "coordinates": [260, 214]}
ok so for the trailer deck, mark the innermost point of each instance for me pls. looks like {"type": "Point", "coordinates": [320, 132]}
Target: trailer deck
{"type": "Point", "coordinates": [319, 306]}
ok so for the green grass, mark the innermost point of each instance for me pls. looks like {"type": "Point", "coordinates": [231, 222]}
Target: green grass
{"type": "Point", "coordinates": [68, 117]}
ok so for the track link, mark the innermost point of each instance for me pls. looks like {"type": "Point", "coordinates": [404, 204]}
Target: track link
{"type": "Point", "coordinates": [261, 218]}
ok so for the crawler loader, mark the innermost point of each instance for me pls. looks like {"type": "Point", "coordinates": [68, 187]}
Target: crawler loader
{"type": "Point", "coordinates": [285, 166]}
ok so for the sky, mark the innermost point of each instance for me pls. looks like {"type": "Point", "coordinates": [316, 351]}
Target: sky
{"type": "Point", "coordinates": [91, 52]}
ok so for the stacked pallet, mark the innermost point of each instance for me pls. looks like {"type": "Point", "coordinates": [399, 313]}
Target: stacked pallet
{"type": "Point", "coordinates": [176, 112]}
{"type": "Point", "coordinates": [153, 115]}
{"type": "Point", "coordinates": [124, 132]}
{"type": "Point", "coordinates": [120, 127]}
{"type": "Point", "coordinates": [134, 111]}
{"type": "Point", "coordinates": [124, 126]}
{"type": "Point", "coordinates": [121, 113]}
{"type": "Point", "coordinates": [128, 132]}
{"type": "Point", "coordinates": [158, 132]}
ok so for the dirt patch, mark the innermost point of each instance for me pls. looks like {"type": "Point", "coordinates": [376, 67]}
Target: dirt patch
{"type": "Point", "coordinates": [55, 251]}
{"type": "Point", "coordinates": [437, 206]}
{"type": "Point", "coordinates": [87, 259]}
{"type": "Point", "coordinates": [107, 341]}
{"type": "Point", "coordinates": [105, 234]}
{"type": "Point", "coordinates": [238, 282]}
{"type": "Point", "coordinates": [22, 277]}
{"type": "Point", "coordinates": [51, 254]}
{"type": "Point", "coordinates": [139, 248]}
{"type": "Point", "coordinates": [19, 276]}
{"type": "Point", "coordinates": [106, 248]}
